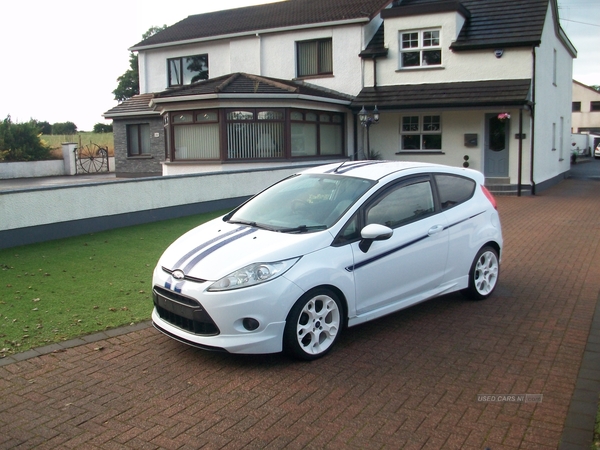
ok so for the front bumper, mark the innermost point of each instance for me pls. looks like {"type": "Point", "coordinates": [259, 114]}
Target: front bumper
{"type": "Point", "coordinates": [215, 320]}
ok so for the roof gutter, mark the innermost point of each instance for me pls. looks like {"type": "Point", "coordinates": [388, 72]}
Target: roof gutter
{"type": "Point", "coordinates": [250, 33]}
{"type": "Point", "coordinates": [131, 114]}
{"type": "Point", "coordinates": [187, 98]}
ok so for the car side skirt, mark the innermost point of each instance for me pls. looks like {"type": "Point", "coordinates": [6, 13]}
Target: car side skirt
{"type": "Point", "coordinates": [446, 288]}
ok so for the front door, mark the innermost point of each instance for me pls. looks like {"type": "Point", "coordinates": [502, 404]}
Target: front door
{"type": "Point", "coordinates": [496, 146]}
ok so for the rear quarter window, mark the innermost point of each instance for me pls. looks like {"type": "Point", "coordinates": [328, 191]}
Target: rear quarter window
{"type": "Point", "coordinates": [454, 190]}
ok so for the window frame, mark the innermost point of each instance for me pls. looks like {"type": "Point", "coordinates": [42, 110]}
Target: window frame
{"type": "Point", "coordinates": [421, 48]}
{"type": "Point", "coordinates": [420, 131]}
{"type": "Point", "coordinates": [254, 121]}
{"type": "Point", "coordinates": [321, 71]}
{"type": "Point", "coordinates": [174, 121]}
{"type": "Point", "coordinates": [319, 124]}
{"type": "Point", "coordinates": [337, 136]}
{"type": "Point", "coordinates": [180, 77]}
{"type": "Point", "coordinates": [575, 106]}
{"type": "Point", "coordinates": [594, 106]}
{"type": "Point", "coordinates": [448, 204]}
{"type": "Point", "coordinates": [140, 142]}
{"type": "Point", "coordinates": [360, 216]}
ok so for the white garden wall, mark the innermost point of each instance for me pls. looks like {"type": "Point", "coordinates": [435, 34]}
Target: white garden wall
{"type": "Point", "coordinates": [35, 215]}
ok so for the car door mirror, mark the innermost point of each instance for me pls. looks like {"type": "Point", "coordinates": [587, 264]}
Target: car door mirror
{"type": "Point", "coordinates": [371, 233]}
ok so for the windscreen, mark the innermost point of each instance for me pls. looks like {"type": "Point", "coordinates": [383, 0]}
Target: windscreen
{"type": "Point", "coordinates": [304, 202]}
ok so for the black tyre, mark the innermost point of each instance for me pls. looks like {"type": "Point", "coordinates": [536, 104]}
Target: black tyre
{"type": "Point", "coordinates": [483, 275]}
{"type": "Point", "coordinates": [313, 325]}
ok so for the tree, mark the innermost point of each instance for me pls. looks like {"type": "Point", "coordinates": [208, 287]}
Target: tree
{"type": "Point", "coordinates": [67, 128]}
{"type": "Point", "coordinates": [129, 83]}
{"type": "Point", "coordinates": [103, 128]}
{"type": "Point", "coordinates": [45, 127]}
{"type": "Point", "coordinates": [21, 142]}
{"type": "Point", "coordinates": [595, 87]}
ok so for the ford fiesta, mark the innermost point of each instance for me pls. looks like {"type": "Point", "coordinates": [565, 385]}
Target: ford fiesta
{"type": "Point", "coordinates": [327, 249]}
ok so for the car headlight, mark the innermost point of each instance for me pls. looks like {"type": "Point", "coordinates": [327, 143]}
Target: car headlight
{"type": "Point", "coordinates": [252, 274]}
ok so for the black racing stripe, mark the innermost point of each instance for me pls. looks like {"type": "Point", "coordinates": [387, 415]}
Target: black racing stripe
{"type": "Point", "coordinates": [214, 248]}
{"type": "Point", "coordinates": [384, 254]}
{"type": "Point", "coordinates": [402, 247]}
{"type": "Point", "coordinates": [204, 245]}
{"type": "Point", "coordinates": [347, 168]}
{"type": "Point", "coordinates": [464, 220]}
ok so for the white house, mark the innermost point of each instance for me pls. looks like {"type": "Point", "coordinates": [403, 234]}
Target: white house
{"type": "Point", "coordinates": [586, 109]}
{"type": "Point", "coordinates": [480, 82]}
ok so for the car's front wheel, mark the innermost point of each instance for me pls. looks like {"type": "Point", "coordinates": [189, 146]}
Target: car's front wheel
{"type": "Point", "coordinates": [313, 324]}
{"type": "Point", "coordinates": [484, 273]}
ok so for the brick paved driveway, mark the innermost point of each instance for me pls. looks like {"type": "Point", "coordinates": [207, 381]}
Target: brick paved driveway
{"type": "Point", "coordinates": [410, 380]}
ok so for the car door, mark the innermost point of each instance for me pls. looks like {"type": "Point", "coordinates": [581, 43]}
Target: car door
{"type": "Point", "coordinates": [411, 263]}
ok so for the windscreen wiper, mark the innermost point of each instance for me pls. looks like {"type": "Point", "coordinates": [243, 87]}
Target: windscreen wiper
{"type": "Point", "coordinates": [302, 229]}
{"type": "Point", "coordinates": [251, 224]}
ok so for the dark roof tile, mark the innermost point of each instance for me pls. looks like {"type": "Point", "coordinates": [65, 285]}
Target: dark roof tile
{"type": "Point", "coordinates": [269, 16]}
{"type": "Point", "coordinates": [138, 104]}
{"type": "Point", "coordinates": [446, 95]}
{"type": "Point", "coordinates": [489, 23]}
{"type": "Point", "coordinates": [243, 83]}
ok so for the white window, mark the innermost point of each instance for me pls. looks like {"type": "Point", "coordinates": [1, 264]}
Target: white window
{"type": "Point", "coordinates": [196, 135]}
{"type": "Point", "coordinates": [420, 48]}
{"type": "Point", "coordinates": [421, 132]}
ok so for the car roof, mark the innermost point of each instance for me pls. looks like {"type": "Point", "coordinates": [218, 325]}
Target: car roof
{"type": "Point", "coordinates": [376, 170]}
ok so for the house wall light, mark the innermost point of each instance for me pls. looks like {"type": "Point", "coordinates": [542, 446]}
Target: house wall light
{"type": "Point", "coordinates": [499, 52]}
{"type": "Point", "coordinates": [366, 120]}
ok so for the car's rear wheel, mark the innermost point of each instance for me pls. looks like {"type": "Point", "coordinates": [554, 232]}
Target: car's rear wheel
{"type": "Point", "coordinates": [484, 273]}
{"type": "Point", "coordinates": [313, 324]}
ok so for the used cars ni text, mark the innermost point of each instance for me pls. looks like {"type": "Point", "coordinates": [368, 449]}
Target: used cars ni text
{"type": "Point", "coordinates": [324, 250]}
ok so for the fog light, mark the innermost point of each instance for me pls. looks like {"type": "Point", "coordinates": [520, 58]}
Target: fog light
{"type": "Point", "coordinates": [250, 324]}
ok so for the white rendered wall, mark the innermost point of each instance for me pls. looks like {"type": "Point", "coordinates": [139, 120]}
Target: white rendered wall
{"type": "Point", "coordinates": [456, 66]}
{"type": "Point", "coordinates": [385, 138]}
{"type": "Point", "coordinates": [271, 55]}
{"type": "Point", "coordinates": [585, 118]}
{"type": "Point", "coordinates": [27, 208]}
{"type": "Point", "coordinates": [553, 106]}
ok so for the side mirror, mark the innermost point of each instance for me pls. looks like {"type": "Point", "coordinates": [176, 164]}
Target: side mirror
{"type": "Point", "coordinates": [373, 232]}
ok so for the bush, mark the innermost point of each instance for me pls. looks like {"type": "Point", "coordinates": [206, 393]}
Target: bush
{"type": "Point", "coordinates": [21, 142]}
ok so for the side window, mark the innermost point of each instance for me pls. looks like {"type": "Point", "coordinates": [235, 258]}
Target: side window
{"type": "Point", "coordinates": [454, 190]}
{"type": "Point", "coordinates": [138, 139]}
{"type": "Point", "coordinates": [406, 203]}
{"type": "Point", "coordinates": [349, 233]}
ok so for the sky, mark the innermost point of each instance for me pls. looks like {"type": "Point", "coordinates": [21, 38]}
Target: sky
{"type": "Point", "coordinates": [61, 58]}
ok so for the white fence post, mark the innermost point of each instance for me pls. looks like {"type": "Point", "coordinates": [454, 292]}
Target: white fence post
{"type": "Point", "coordinates": [68, 150]}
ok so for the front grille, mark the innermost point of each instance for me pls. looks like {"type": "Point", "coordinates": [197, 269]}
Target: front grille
{"type": "Point", "coordinates": [183, 312]}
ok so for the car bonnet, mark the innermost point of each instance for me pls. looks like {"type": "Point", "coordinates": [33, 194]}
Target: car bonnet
{"type": "Point", "coordinates": [217, 248]}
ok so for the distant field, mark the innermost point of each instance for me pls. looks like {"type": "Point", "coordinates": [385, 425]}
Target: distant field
{"type": "Point", "coordinates": [82, 139]}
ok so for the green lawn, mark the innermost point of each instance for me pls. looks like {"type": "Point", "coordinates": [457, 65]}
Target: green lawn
{"type": "Point", "coordinates": [62, 289]}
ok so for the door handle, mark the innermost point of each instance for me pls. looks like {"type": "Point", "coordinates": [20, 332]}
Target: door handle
{"type": "Point", "coordinates": [435, 229]}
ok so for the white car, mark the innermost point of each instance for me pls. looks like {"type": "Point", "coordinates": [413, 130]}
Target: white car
{"type": "Point", "coordinates": [327, 249]}
{"type": "Point", "coordinates": [597, 151]}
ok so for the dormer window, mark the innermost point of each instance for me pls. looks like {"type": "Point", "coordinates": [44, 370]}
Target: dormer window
{"type": "Point", "coordinates": [420, 48]}
{"type": "Point", "coordinates": [187, 69]}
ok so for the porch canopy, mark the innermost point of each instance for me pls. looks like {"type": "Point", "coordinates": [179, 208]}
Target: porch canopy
{"type": "Point", "coordinates": [467, 94]}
